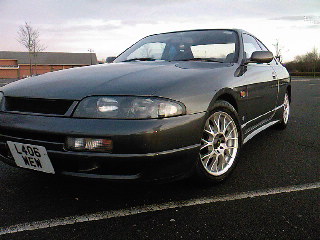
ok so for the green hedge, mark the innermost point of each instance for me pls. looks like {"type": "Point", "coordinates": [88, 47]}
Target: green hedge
{"type": "Point", "coordinates": [309, 74]}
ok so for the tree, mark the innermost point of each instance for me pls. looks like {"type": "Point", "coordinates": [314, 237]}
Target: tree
{"type": "Point", "coordinates": [278, 49]}
{"type": "Point", "coordinates": [307, 63]}
{"type": "Point", "coordinates": [314, 58]}
{"type": "Point", "coordinates": [29, 37]}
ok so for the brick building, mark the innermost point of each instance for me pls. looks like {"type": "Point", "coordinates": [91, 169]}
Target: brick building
{"type": "Point", "coordinates": [17, 64]}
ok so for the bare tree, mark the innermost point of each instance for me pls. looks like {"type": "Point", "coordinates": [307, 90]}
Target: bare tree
{"type": "Point", "coordinates": [308, 63]}
{"type": "Point", "coordinates": [278, 50]}
{"type": "Point", "coordinates": [29, 38]}
{"type": "Point", "coordinates": [314, 57]}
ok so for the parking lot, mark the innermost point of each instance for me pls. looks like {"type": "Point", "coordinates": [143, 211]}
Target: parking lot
{"type": "Point", "coordinates": [274, 193]}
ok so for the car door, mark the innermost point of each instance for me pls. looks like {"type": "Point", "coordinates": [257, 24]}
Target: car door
{"type": "Point", "coordinates": [281, 75]}
{"type": "Point", "coordinates": [262, 86]}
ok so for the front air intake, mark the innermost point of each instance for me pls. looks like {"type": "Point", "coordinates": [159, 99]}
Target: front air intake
{"type": "Point", "coordinates": [37, 106]}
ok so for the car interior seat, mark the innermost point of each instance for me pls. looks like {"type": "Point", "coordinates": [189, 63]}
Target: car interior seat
{"type": "Point", "coordinates": [229, 58]}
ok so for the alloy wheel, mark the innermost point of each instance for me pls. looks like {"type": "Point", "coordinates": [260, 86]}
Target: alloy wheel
{"type": "Point", "coordinates": [286, 110]}
{"type": "Point", "coordinates": [219, 143]}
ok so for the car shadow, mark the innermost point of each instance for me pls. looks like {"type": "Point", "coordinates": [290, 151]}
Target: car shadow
{"type": "Point", "coordinates": [60, 196]}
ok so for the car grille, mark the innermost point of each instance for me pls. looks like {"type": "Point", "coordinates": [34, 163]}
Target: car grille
{"type": "Point", "coordinates": [49, 141]}
{"type": "Point", "coordinates": [38, 106]}
{"type": "Point", "coordinates": [32, 135]}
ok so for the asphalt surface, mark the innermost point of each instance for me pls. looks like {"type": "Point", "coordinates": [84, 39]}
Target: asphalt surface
{"type": "Point", "coordinates": [271, 160]}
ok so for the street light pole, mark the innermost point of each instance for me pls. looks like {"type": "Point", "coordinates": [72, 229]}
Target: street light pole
{"type": "Point", "coordinates": [91, 51]}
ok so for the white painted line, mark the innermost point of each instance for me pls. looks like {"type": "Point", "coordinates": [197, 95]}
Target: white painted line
{"type": "Point", "coordinates": [305, 80]}
{"type": "Point", "coordinates": [151, 208]}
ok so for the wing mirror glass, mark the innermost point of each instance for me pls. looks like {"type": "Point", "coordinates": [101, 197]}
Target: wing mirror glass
{"type": "Point", "coordinates": [261, 57]}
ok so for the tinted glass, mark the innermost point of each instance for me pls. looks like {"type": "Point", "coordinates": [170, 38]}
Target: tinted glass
{"type": "Point", "coordinates": [250, 45]}
{"type": "Point", "coordinates": [218, 51]}
{"type": "Point", "coordinates": [216, 45]}
{"type": "Point", "coordinates": [263, 47]}
{"type": "Point", "coordinates": [149, 50]}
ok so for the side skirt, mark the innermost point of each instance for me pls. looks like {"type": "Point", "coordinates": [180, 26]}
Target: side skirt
{"type": "Point", "coordinates": [260, 129]}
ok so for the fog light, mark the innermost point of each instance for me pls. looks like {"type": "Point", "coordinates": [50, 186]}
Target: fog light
{"type": "Point", "coordinates": [89, 144]}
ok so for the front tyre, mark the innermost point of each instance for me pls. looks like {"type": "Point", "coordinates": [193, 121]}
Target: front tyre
{"type": "Point", "coordinates": [220, 143]}
{"type": "Point", "coordinates": [285, 115]}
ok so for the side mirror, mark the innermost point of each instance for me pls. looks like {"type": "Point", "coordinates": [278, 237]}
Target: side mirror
{"type": "Point", "coordinates": [110, 59]}
{"type": "Point", "coordinates": [261, 57]}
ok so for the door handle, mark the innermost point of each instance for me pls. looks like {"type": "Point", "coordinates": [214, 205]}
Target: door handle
{"type": "Point", "coordinates": [274, 75]}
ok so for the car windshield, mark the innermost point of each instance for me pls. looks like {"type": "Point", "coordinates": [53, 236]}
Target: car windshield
{"type": "Point", "coordinates": [201, 45]}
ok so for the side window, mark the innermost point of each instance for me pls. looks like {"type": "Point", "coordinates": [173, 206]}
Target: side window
{"type": "Point", "coordinates": [149, 50]}
{"type": "Point", "coordinates": [250, 45]}
{"type": "Point", "coordinates": [264, 48]}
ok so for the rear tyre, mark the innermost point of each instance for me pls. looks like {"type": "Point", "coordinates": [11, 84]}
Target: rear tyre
{"type": "Point", "coordinates": [220, 144]}
{"type": "Point", "coordinates": [285, 114]}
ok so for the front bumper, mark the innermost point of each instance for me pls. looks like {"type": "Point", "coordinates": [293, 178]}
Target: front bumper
{"type": "Point", "coordinates": [152, 149]}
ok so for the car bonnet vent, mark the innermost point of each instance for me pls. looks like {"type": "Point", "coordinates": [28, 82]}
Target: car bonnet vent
{"type": "Point", "coordinates": [37, 106]}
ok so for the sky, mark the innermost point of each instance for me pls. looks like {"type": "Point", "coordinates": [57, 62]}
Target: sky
{"type": "Point", "coordinates": [110, 26]}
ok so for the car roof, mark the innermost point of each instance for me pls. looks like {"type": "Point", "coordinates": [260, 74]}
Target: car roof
{"type": "Point", "coordinates": [240, 31]}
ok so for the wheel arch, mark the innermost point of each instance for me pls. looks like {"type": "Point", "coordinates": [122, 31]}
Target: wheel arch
{"type": "Point", "coordinates": [226, 95]}
{"type": "Point", "coordinates": [289, 92]}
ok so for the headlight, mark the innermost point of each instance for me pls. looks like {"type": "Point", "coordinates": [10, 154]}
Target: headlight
{"type": "Point", "coordinates": [1, 100]}
{"type": "Point", "coordinates": [124, 107]}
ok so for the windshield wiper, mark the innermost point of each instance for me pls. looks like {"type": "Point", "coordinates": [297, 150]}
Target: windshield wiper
{"type": "Point", "coordinates": [200, 59]}
{"type": "Point", "coordinates": [139, 59]}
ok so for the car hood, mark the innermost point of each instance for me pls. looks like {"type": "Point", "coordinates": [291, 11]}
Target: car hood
{"type": "Point", "coordinates": [131, 78]}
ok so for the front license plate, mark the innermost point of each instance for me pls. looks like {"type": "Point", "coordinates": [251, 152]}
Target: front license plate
{"type": "Point", "coordinates": [31, 157]}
